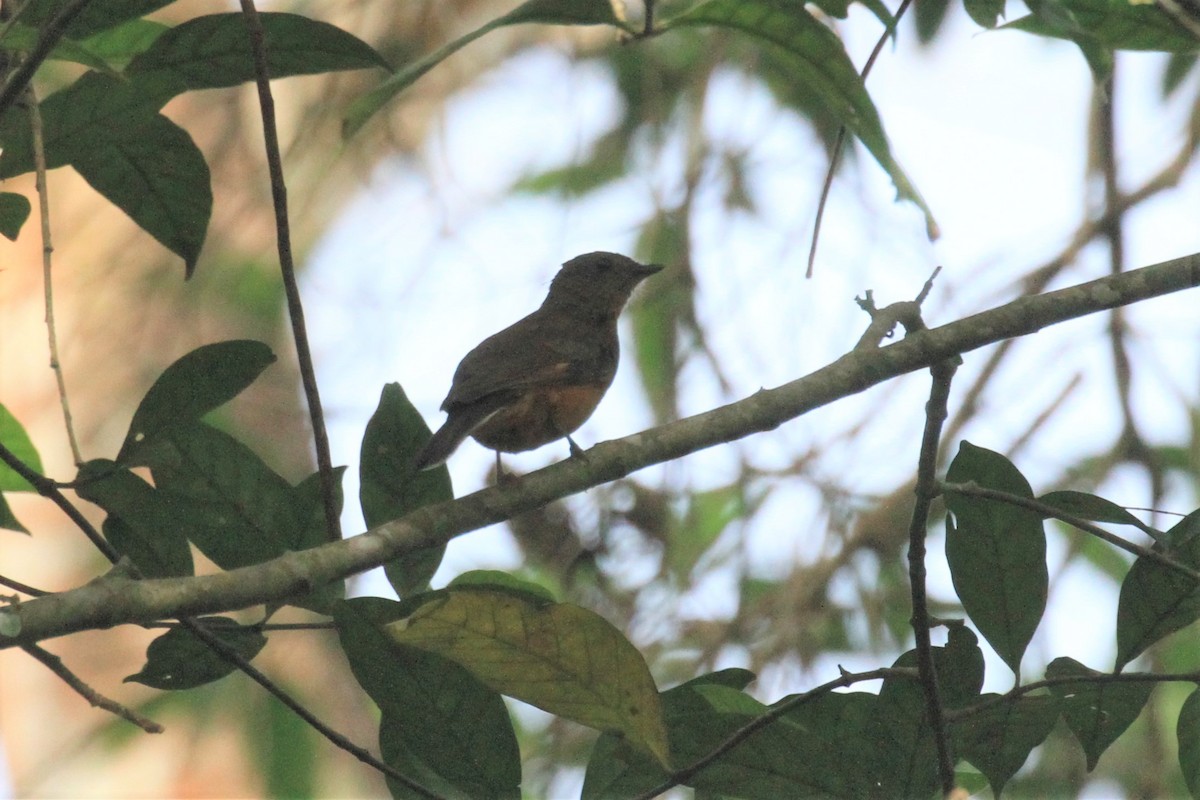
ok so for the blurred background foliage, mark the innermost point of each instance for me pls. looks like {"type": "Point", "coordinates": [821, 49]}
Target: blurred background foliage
{"type": "Point", "coordinates": [669, 556]}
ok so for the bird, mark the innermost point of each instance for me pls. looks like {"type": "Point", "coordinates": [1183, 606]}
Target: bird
{"type": "Point", "coordinates": [539, 379]}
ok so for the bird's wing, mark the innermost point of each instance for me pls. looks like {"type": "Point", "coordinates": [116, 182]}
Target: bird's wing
{"type": "Point", "coordinates": [533, 352]}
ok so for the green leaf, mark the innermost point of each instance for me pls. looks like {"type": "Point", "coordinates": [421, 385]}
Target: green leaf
{"type": "Point", "coordinates": [559, 657]}
{"type": "Point", "coordinates": [548, 12]}
{"type": "Point", "coordinates": [1187, 731]}
{"type": "Point", "coordinates": [440, 725]}
{"type": "Point", "coordinates": [8, 520]}
{"type": "Point", "coordinates": [118, 45]}
{"type": "Point", "coordinates": [140, 161]}
{"type": "Point", "coordinates": [899, 757]}
{"type": "Point", "coordinates": [822, 64]}
{"type": "Point", "coordinates": [14, 210]}
{"type": "Point", "coordinates": [997, 740]}
{"type": "Point", "coordinates": [94, 17]}
{"type": "Point", "coordinates": [1097, 713]}
{"type": "Point", "coordinates": [1179, 66]}
{"type": "Point", "coordinates": [1094, 509]}
{"type": "Point", "coordinates": [1111, 24]}
{"type": "Point", "coordinates": [1156, 601]}
{"type": "Point", "coordinates": [311, 528]}
{"type": "Point", "coordinates": [389, 486]}
{"type": "Point", "coordinates": [997, 553]}
{"type": "Point", "coordinates": [214, 51]}
{"type": "Point", "coordinates": [200, 381]}
{"type": "Point", "coordinates": [142, 523]}
{"type": "Point", "coordinates": [179, 660]}
{"type": "Point", "coordinates": [14, 437]}
{"type": "Point", "coordinates": [986, 13]}
{"type": "Point", "coordinates": [22, 39]}
{"type": "Point", "coordinates": [503, 582]}
{"type": "Point", "coordinates": [813, 751]}
{"type": "Point", "coordinates": [241, 512]}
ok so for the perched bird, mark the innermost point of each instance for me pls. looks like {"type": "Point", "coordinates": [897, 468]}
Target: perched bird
{"type": "Point", "coordinates": [540, 378]}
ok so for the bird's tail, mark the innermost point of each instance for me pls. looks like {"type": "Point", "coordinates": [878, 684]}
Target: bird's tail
{"type": "Point", "coordinates": [458, 426]}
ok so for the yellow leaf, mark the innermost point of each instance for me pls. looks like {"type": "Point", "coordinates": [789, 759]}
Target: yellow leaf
{"type": "Point", "coordinates": [559, 657]}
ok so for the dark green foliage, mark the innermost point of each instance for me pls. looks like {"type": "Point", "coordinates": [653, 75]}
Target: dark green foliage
{"type": "Point", "coordinates": [181, 660]}
{"type": "Point", "coordinates": [202, 380]}
{"type": "Point", "coordinates": [997, 553]}
{"type": "Point", "coordinates": [142, 524]}
{"type": "Point", "coordinates": [107, 127]}
{"type": "Point", "coordinates": [440, 725]}
{"type": "Point", "coordinates": [1097, 713]}
{"type": "Point", "coordinates": [14, 210]}
{"type": "Point", "coordinates": [1156, 600]}
{"type": "Point", "coordinates": [389, 486]}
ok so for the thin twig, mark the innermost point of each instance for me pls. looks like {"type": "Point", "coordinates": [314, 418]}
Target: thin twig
{"type": "Point", "coordinates": [23, 588]}
{"type": "Point", "coordinates": [839, 141]}
{"type": "Point", "coordinates": [681, 776]}
{"type": "Point", "coordinates": [964, 712]}
{"type": "Point", "coordinates": [56, 665]}
{"type": "Point", "coordinates": [47, 488]}
{"type": "Point", "coordinates": [43, 192]}
{"type": "Point", "coordinates": [974, 490]}
{"type": "Point", "coordinates": [926, 490]}
{"type": "Point", "coordinates": [1179, 13]}
{"type": "Point", "coordinates": [51, 33]}
{"type": "Point", "coordinates": [287, 267]}
{"type": "Point", "coordinates": [648, 23]}
{"type": "Point", "coordinates": [231, 655]}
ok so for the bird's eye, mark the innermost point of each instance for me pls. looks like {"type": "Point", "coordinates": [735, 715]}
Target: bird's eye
{"type": "Point", "coordinates": [604, 264]}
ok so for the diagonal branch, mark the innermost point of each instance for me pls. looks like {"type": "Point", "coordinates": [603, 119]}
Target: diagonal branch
{"type": "Point", "coordinates": [52, 32]}
{"type": "Point", "coordinates": [119, 601]}
{"type": "Point", "coordinates": [1047, 510]}
{"type": "Point", "coordinates": [56, 665]}
{"type": "Point", "coordinates": [682, 776]}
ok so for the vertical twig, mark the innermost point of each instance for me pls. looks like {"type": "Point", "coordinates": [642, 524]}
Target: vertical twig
{"type": "Point", "coordinates": [926, 489]}
{"type": "Point", "coordinates": [287, 267]}
{"type": "Point", "coordinates": [839, 142]}
{"type": "Point", "coordinates": [39, 160]}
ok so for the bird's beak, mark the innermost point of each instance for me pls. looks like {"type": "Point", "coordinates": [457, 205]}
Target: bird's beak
{"type": "Point", "coordinates": [649, 269]}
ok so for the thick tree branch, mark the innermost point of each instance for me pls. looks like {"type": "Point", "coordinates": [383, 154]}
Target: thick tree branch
{"type": "Point", "coordinates": [117, 601]}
